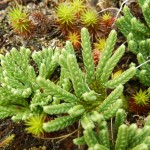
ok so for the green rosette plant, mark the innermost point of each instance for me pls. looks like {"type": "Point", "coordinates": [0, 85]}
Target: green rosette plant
{"type": "Point", "coordinates": [82, 91]}
{"type": "Point", "coordinates": [20, 22]}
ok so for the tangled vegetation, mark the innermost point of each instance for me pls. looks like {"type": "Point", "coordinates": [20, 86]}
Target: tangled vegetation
{"type": "Point", "coordinates": [92, 78]}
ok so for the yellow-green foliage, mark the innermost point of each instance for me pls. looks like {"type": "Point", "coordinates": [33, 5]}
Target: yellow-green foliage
{"type": "Point", "coordinates": [141, 98]}
{"type": "Point", "coordinates": [89, 18]}
{"type": "Point", "coordinates": [65, 14]}
{"type": "Point", "coordinates": [34, 125]}
{"type": "Point", "coordinates": [19, 21]}
{"type": "Point", "coordinates": [7, 141]}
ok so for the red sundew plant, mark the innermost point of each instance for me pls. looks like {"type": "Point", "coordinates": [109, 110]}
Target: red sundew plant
{"type": "Point", "coordinates": [65, 14]}
{"type": "Point", "coordinates": [76, 14]}
{"type": "Point", "coordinates": [7, 141]}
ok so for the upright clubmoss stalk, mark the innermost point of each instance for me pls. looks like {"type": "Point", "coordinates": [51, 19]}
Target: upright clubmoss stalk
{"type": "Point", "coordinates": [109, 46]}
{"type": "Point", "coordinates": [76, 76]}
{"type": "Point", "coordinates": [87, 56]}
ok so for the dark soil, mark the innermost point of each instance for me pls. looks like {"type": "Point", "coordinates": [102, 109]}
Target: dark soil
{"type": "Point", "coordinates": [25, 141]}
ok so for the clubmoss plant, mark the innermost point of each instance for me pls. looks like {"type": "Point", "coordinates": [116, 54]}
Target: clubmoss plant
{"type": "Point", "coordinates": [126, 138]}
{"type": "Point", "coordinates": [137, 34]}
{"type": "Point", "coordinates": [90, 87]}
{"type": "Point", "coordinates": [20, 96]}
{"type": "Point", "coordinates": [79, 95]}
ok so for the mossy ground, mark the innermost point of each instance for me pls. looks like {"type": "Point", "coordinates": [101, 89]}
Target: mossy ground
{"type": "Point", "coordinates": [9, 39]}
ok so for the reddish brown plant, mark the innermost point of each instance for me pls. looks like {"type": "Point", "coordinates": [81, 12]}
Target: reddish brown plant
{"type": "Point", "coordinates": [75, 39]}
{"type": "Point", "coordinates": [140, 102]}
{"type": "Point", "coordinates": [139, 109]}
{"type": "Point", "coordinates": [96, 56]}
{"type": "Point", "coordinates": [106, 23]}
{"type": "Point", "coordinates": [40, 21]}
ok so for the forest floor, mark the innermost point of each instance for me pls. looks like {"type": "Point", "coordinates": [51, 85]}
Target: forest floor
{"type": "Point", "coordinates": [61, 140]}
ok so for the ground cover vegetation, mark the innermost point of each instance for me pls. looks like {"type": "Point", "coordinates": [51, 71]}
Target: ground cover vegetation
{"type": "Point", "coordinates": [79, 73]}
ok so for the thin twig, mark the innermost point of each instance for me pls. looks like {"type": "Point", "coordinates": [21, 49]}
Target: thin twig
{"type": "Point", "coordinates": [143, 63]}
{"type": "Point", "coordinates": [59, 137]}
{"type": "Point", "coordinates": [110, 8]}
{"type": "Point", "coordinates": [119, 11]}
